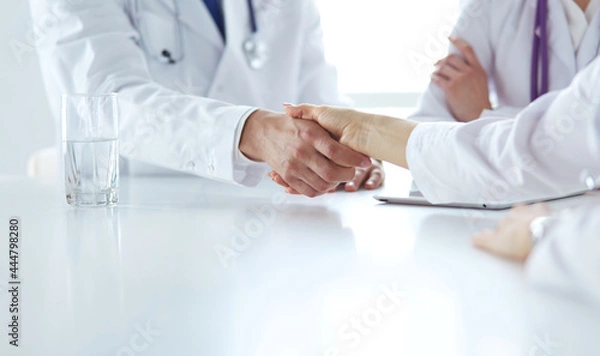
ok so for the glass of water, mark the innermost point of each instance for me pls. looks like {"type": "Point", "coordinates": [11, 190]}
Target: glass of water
{"type": "Point", "coordinates": [90, 137]}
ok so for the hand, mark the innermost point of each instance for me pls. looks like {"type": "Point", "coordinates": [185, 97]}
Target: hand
{"type": "Point", "coordinates": [371, 177]}
{"type": "Point", "coordinates": [308, 159]}
{"type": "Point", "coordinates": [464, 81]}
{"type": "Point", "coordinates": [381, 137]}
{"type": "Point", "coordinates": [512, 237]}
{"type": "Point", "coordinates": [345, 125]}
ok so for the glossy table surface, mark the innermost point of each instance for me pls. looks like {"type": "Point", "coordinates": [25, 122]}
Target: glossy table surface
{"type": "Point", "coordinates": [186, 266]}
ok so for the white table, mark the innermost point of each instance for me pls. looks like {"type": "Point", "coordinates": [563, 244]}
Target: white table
{"type": "Point", "coordinates": [337, 275]}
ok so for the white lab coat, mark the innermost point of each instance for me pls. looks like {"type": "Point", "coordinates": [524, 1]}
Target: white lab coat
{"type": "Point", "coordinates": [181, 116]}
{"type": "Point", "coordinates": [501, 34]}
{"type": "Point", "coordinates": [564, 272]}
{"type": "Point", "coordinates": [550, 149]}
{"type": "Point", "coordinates": [567, 261]}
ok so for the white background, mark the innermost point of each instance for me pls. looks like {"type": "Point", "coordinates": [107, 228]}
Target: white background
{"type": "Point", "coordinates": [383, 49]}
{"type": "Point", "coordinates": [25, 122]}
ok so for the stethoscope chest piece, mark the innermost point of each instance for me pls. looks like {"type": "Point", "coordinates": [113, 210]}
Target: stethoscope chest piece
{"type": "Point", "coordinates": [256, 51]}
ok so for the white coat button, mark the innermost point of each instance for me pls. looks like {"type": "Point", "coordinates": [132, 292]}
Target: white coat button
{"type": "Point", "coordinates": [211, 168]}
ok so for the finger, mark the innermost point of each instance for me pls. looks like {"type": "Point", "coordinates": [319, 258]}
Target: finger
{"type": "Point", "coordinates": [447, 71]}
{"type": "Point", "coordinates": [456, 62]}
{"type": "Point", "coordinates": [357, 181]}
{"type": "Point", "coordinates": [303, 111]}
{"type": "Point", "coordinates": [329, 171]}
{"type": "Point", "coordinates": [301, 187]}
{"type": "Point", "coordinates": [340, 154]}
{"type": "Point", "coordinates": [440, 81]}
{"type": "Point", "coordinates": [314, 180]}
{"type": "Point", "coordinates": [466, 50]}
{"type": "Point", "coordinates": [376, 179]}
{"type": "Point", "coordinates": [279, 180]}
{"type": "Point", "coordinates": [292, 191]}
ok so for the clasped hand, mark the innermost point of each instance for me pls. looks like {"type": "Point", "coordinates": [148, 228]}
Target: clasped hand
{"type": "Point", "coordinates": [306, 159]}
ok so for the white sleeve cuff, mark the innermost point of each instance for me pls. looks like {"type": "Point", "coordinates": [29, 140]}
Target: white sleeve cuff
{"type": "Point", "coordinates": [428, 181]}
{"type": "Point", "coordinates": [246, 171]}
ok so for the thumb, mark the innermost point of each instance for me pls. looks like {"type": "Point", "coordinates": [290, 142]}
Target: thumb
{"type": "Point", "coordinates": [303, 111]}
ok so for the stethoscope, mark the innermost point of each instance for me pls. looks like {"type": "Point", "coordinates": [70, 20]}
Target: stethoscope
{"type": "Point", "coordinates": [255, 50]}
{"type": "Point", "coordinates": [540, 52]}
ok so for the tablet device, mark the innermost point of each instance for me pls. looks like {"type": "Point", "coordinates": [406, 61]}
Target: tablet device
{"type": "Point", "coordinates": [414, 197]}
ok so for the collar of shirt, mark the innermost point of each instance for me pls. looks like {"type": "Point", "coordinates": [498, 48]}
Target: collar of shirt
{"type": "Point", "coordinates": [578, 19]}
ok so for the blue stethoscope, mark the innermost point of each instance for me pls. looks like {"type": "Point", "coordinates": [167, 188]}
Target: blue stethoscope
{"type": "Point", "coordinates": [540, 52]}
{"type": "Point", "coordinates": [256, 51]}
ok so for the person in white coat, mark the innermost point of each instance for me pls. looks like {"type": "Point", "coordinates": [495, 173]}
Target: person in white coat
{"type": "Point", "coordinates": [561, 251]}
{"type": "Point", "coordinates": [551, 148]}
{"type": "Point", "coordinates": [196, 83]}
{"type": "Point", "coordinates": [561, 255]}
{"type": "Point", "coordinates": [492, 57]}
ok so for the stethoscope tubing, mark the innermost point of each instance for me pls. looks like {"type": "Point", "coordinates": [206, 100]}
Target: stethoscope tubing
{"type": "Point", "coordinates": [540, 47]}
{"type": "Point", "coordinates": [253, 22]}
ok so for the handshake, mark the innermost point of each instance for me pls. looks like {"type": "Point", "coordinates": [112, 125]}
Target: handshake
{"type": "Point", "coordinates": [313, 149]}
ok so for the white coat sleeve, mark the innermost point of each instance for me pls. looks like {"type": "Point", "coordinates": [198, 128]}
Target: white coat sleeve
{"type": "Point", "coordinates": [94, 48]}
{"type": "Point", "coordinates": [318, 77]}
{"type": "Point", "coordinates": [567, 261]}
{"type": "Point", "coordinates": [550, 149]}
{"type": "Point", "coordinates": [473, 26]}
{"type": "Point", "coordinates": [503, 111]}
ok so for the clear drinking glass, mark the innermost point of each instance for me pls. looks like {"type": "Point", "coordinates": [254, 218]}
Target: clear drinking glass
{"type": "Point", "coordinates": [90, 135]}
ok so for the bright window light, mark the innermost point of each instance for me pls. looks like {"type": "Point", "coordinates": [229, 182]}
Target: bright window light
{"type": "Point", "coordinates": [386, 46]}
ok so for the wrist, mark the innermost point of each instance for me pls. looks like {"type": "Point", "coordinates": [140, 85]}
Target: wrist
{"type": "Point", "coordinates": [253, 134]}
{"type": "Point", "coordinates": [394, 147]}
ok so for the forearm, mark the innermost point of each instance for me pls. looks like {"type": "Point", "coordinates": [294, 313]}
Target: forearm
{"type": "Point", "coordinates": [385, 138]}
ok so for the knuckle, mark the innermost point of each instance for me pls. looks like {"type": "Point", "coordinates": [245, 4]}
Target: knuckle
{"type": "Point", "coordinates": [287, 166]}
{"type": "Point", "coordinates": [332, 152]}
{"type": "Point", "coordinates": [288, 177]}
{"type": "Point", "coordinates": [290, 171]}
{"type": "Point", "coordinates": [309, 133]}
{"type": "Point", "coordinates": [298, 153]}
